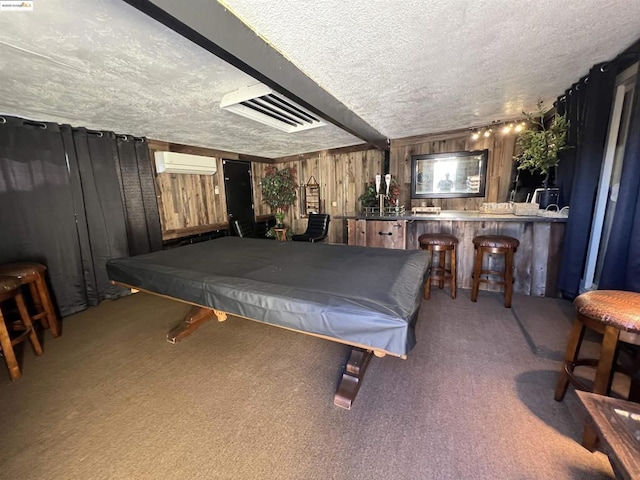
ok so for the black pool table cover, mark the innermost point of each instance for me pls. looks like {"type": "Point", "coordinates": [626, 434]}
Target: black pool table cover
{"type": "Point", "coordinates": [359, 295]}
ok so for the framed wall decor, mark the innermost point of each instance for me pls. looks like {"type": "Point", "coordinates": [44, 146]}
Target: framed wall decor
{"type": "Point", "coordinates": [310, 198]}
{"type": "Point", "coordinates": [449, 175]}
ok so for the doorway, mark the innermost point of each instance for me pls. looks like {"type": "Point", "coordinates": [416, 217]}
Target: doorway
{"type": "Point", "coordinates": [239, 191]}
{"type": "Point", "coordinates": [610, 173]}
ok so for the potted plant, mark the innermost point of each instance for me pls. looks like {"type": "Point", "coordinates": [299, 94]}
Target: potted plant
{"type": "Point", "coordinates": [279, 190]}
{"type": "Point", "coordinates": [540, 144]}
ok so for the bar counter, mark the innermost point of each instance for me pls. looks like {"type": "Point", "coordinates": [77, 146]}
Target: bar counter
{"type": "Point", "coordinates": [536, 261]}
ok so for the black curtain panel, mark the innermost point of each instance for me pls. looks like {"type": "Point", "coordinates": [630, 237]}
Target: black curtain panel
{"type": "Point", "coordinates": [37, 221]}
{"type": "Point", "coordinates": [71, 199]}
{"type": "Point", "coordinates": [621, 269]}
{"type": "Point", "coordinates": [588, 106]}
{"type": "Point", "coordinates": [138, 195]}
{"type": "Point", "coordinates": [99, 203]}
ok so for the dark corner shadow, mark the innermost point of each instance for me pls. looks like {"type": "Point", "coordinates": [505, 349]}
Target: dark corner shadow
{"type": "Point", "coordinates": [544, 326]}
{"type": "Point", "coordinates": [584, 474]}
{"type": "Point", "coordinates": [536, 388]}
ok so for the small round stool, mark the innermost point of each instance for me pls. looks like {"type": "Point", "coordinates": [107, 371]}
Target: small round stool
{"type": "Point", "coordinates": [616, 315]}
{"type": "Point", "coordinates": [494, 244]}
{"type": "Point", "coordinates": [10, 288]}
{"type": "Point", "coordinates": [440, 243]}
{"type": "Point", "coordinates": [32, 275]}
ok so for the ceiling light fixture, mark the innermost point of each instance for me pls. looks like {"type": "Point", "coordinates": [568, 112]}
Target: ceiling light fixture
{"type": "Point", "coordinates": [260, 103]}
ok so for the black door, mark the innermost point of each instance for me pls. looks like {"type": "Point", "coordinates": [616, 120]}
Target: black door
{"type": "Point", "coordinates": [237, 184]}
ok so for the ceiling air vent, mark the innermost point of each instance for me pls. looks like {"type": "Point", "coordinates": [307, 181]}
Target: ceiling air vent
{"type": "Point", "coordinates": [263, 105]}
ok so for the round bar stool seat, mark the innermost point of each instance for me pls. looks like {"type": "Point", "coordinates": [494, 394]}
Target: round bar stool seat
{"type": "Point", "coordinates": [501, 244]}
{"type": "Point", "coordinates": [616, 315]}
{"type": "Point", "coordinates": [440, 243]}
{"type": "Point", "coordinates": [33, 275]}
{"type": "Point", "coordinates": [10, 288]}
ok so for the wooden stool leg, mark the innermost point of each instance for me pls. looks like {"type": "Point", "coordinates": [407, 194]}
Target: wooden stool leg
{"type": "Point", "coordinates": [26, 319]}
{"type": "Point", "coordinates": [442, 258]}
{"type": "Point", "coordinates": [508, 278]}
{"type": "Point", "coordinates": [427, 286]}
{"type": "Point", "coordinates": [7, 350]}
{"type": "Point", "coordinates": [453, 272]}
{"type": "Point", "coordinates": [43, 291]}
{"type": "Point", "coordinates": [35, 296]}
{"type": "Point", "coordinates": [602, 382]}
{"type": "Point", "coordinates": [477, 269]}
{"type": "Point", "coordinates": [570, 356]}
{"type": "Point", "coordinates": [604, 371]}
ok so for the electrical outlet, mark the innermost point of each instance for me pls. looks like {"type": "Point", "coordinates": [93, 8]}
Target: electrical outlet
{"type": "Point", "coordinates": [216, 190]}
{"type": "Point", "coordinates": [334, 204]}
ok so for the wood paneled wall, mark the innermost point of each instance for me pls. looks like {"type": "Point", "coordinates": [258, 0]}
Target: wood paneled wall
{"type": "Point", "coordinates": [342, 178]}
{"type": "Point", "coordinates": [188, 204]}
{"type": "Point", "coordinates": [499, 170]}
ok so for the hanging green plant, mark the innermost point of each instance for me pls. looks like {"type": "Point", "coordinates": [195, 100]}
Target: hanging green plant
{"type": "Point", "coordinates": [541, 142]}
{"type": "Point", "coordinates": [279, 189]}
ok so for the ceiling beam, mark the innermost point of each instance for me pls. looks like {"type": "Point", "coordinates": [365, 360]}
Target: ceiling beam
{"type": "Point", "coordinates": [213, 27]}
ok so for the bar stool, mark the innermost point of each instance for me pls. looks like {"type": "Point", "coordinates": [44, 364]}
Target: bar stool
{"type": "Point", "coordinates": [33, 275]}
{"type": "Point", "coordinates": [10, 288]}
{"type": "Point", "coordinates": [494, 244]}
{"type": "Point", "coordinates": [441, 243]}
{"type": "Point", "coordinates": [616, 315]}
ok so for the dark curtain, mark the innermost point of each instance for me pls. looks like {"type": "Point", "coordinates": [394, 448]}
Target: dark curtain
{"type": "Point", "coordinates": [587, 105]}
{"type": "Point", "coordinates": [139, 195]}
{"type": "Point", "coordinates": [68, 198]}
{"type": "Point", "coordinates": [37, 221]}
{"type": "Point", "coordinates": [98, 203]}
{"type": "Point", "coordinates": [621, 269]}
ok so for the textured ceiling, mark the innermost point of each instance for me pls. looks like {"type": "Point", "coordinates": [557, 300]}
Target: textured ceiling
{"type": "Point", "coordinates": [416, 66]}
{"type": "Point", "coordinates": [406, 68]}
{"type": "Point", "coordinates": [105, 65]}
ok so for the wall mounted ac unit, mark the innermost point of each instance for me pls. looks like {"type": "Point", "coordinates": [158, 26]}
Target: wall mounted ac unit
{"type": "Point", "coordinates": [260, 103]}
{"type": "Point", "coordinates": [171, 162]}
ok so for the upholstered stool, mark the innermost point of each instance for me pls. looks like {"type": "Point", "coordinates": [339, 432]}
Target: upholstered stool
{"type": "Point", "coordinates": [441, 243]}
{"type": "Point", "coordinates": [616, 315]}
{"type": "Point", "coordinates": [10, 288]}
{"type": "Point", "coordinates": [33, 275]}
{"type": "Point", "coordinates": [494, 244]}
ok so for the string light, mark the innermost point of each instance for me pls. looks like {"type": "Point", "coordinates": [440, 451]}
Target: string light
{"type": "Point", "coordinates": [511, 126]}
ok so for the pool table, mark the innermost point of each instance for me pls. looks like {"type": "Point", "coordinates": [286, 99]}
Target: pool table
{"type": "Point", "coordinates": [364, 297]}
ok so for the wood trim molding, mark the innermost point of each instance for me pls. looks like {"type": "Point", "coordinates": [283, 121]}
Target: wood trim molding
{"type": "Point", "coordinates": [332, 151]}
{"type": "Point", "coordinates": [185, 232]}
{"type": "Point", "coordinates": [204, 151]}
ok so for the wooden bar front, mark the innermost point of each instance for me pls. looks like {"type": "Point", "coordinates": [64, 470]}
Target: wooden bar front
{"type": "Point", "coordinates": [536, 261]}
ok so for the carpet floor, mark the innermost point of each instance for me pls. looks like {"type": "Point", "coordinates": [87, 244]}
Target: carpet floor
{"type": "Point", "coordinates": [111, 399]}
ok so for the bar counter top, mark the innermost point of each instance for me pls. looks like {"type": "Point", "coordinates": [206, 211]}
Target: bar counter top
{"type": "Point", "coordinates": [457, 215]}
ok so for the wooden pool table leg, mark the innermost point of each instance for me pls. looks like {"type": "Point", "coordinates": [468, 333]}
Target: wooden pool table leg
{"type": "Point", "coordinates": [352, 377]}
{"type": "Point", "coordinates": [196, 317]}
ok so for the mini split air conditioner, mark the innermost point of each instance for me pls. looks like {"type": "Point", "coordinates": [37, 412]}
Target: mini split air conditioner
{"type": "Point", "coordinates": [171, 162]}
{"type": "Point", "coordinates": [260, 103]}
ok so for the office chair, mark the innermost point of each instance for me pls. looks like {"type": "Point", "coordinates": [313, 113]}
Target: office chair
{"type": "Point", "coordinates": [317, 228]}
